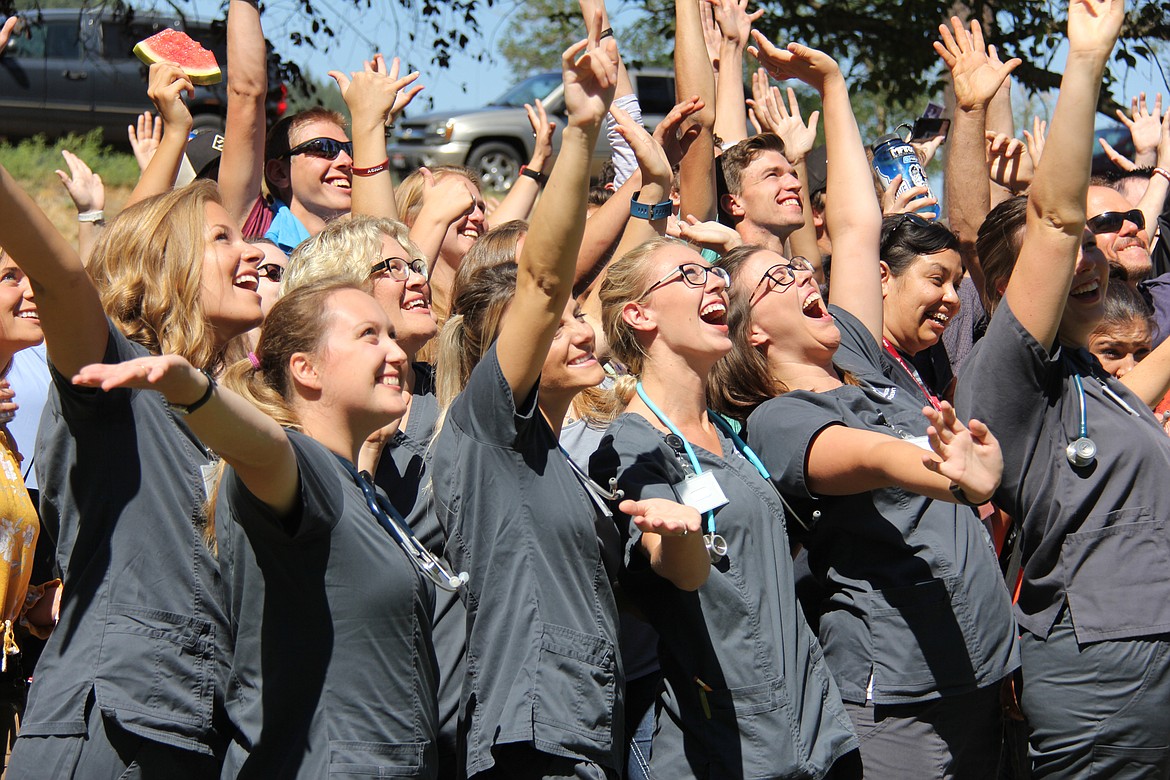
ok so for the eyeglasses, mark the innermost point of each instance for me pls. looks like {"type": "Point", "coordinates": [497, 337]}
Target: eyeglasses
{"type": "Point", "coordinates": [782, 275]}
{"type": "Point", "coordinates": [271, 271]}
{"type": "Point", "coordinates": [692, 274]}
{"type": "Point", "coordinates": [399, 268]}
{"type": "Point", "coordinates": [1111, 221]}
{"type": "Point", "coordinates": [327, 148]}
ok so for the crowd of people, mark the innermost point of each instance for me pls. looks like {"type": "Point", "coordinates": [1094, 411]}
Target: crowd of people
{"type": "Point", "coordinates": [731, 462]}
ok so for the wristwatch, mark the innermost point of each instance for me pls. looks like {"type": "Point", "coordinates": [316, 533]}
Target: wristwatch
{"type": "Point", "coordinates": [186, 409]}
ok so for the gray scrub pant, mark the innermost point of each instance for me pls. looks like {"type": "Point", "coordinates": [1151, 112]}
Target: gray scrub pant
{"type": "Point", "coordinates": [1097, 710]}
{"type": "Point", "coordinates": [955, 737]}
{"type": "Point", "coordinates": [522, 761]}
{"type": "Point", "coordinates": [106, 752]}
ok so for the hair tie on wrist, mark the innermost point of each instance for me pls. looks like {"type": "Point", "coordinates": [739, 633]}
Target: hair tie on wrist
{"type": "Point", "coordinates": [254, 360]}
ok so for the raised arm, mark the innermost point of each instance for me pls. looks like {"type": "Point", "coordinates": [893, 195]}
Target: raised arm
{"type": "Point", "coordinates": [88, 193]}
{"type": "Point", "coordinates": [1040, 283]}
{"type": "Point", "coordinates": [693, 76]}
{"type": "Point", "coordinates": [249, 441]}
{"type": "Point", "coordinates": [544, 276]}
{"type": "Point", "coordinates": [855, 220]}
{"type": "Point", "coordinates": [167, 86]}
{"type": "Point", "coordinates": [1153, 201]}
{"type": "Point", "coordinates": [976, 78]}
{"type": "Point", "coordinates": [67, 301]}
{"type": "Point", "coordinates": [241, 167]}
{"type": "Point", "coordinates": [735, 27]}
{"type": "Point", "coordinates": [370, 95]}
{"type": "Point", "coordinates": [522, 195]}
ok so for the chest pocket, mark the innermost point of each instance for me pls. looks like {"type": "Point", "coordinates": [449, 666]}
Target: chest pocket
{"type": "Point", "coordinates": [575, 693]}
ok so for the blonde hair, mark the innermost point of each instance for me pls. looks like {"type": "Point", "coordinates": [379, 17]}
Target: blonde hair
{"type": "Point", "coordinates": [148, 268]}
{"type": "Point", "coordinates": [480, 298]}
{"type": "Point", "coordinates": [408, 195]}
{"type": "Point", "coordinates": [345, 249]}
{"type": "Point", "coordinates": [496, 246]}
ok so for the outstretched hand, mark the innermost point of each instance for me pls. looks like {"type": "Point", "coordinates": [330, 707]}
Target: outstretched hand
{"type": "Point", "coordinates": [373, 93]}
{"type": "Point", "coordinates": [542, 130]}
{"type": "Point", "coordinates": [968, 455]}
{"type": "Point", "coordinates": [651, 156]}
{"type": "Point", "coordinates": [1008, 162]}
{"type": "Point", "coordinates": [171, 375]}
{"type": "Point", "coordinates": [733, 20]}
{"type": "Point", "coordinates": [795, 61]}
{"type": "Point", "coordinates": [663, 517]}
{"type": "Point", "coordinates": [1145, 127]}
{"type": "Point", "coordinates": [589, 69]}
{"type": "Point", "coordinates": [976, 74]}
{"type": "Point", "coordinates": [667, 132]}
{"type": "Point", "coordinates": [145, 138]}
{"type": "Point", "coordinates": [768, 114]}
{"type": "Point", "coordinates": [1093, 25]}
{"type": "Point", "coordinates": [83, 185]}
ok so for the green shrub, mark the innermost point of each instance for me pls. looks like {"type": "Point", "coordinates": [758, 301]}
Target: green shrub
{"type": "Point", "coordinates": [34, 160]}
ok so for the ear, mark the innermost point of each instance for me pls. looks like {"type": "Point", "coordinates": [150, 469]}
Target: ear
{"type": "Point", "coordinates": [731, 205]}
{"type": "Point", "coordinates": [887, 277]}
{"type": "Point", "coordinates": [303, 371]}
{"type": "Point", "coordinates": [636, 316]}
{"type": "Point", "coordinates": [1001, 287]}
{"type": "Point", "coordinates": [277, 171]}
{"type": "Point", "coordinates": [757, 337]}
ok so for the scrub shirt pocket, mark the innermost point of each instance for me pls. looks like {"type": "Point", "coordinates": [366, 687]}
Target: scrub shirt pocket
{"type": "Point", "coordinates": [349, 759]}
{"type": "Point", "coordinates": [915, 635]}
{"type": "Point", "coordinates": [1116, 575]}
{"type": "Point", "coordinates": [147, 683]}
{"type": "Point", "coordinates": [751, 731]}
{"type": "Point", "coordinates": [574, 692]}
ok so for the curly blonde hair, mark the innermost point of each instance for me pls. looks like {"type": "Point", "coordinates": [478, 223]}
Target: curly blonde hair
{"type": "Point", "coordinates": [345, 249]}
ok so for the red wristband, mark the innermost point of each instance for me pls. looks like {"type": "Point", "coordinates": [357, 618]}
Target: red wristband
{"type": "Point", "coordinates": [1163, 173]}
{"type": "Point", "coordinates": [382, 166]}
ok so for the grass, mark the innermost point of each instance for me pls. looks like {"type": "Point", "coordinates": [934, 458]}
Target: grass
{"type": "Point", "coordinates": [32, 162]}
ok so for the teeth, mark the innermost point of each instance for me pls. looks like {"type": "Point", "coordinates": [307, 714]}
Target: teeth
{"type": "Point", "coordinates": [391, 381]}
{"type": "Point", "coordinates": [586, 358]}
{"type": "Point", "coordinates": [1086, 288]}
{"type": "Point", "coordinates": [28, 315]}
{"type": "Point", "coordinates": [712, 308]}
{"type": "Point", "coordinates": [938, 316]}
{"type": "Point", "coordinates": [418, 303]}
{"type": "Point", "coordinates": [812, 301]}
{"type": "Point", "coordinates": [340, 183]}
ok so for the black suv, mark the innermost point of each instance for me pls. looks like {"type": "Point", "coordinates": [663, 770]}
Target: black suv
{"type": "Point", "coordinates": [69, 70]}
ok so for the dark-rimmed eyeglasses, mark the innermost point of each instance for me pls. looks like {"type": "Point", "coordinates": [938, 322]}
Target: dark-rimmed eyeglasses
{"type": "Point", "coordinates": [1111, 221]}
{"type": "Point", "coordinates": [692, 274]}
{"type": "Point", "coordinates": [782, 275]}
{"type": "Point", "coordinates": [271, 271]}
{"type": "Point", "coordinates": [326, 148]}
{"type": "Point", "coordinates": [399, 268]}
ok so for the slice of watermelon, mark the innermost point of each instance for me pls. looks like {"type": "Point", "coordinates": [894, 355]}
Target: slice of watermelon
{"type": "Point", "coordinates": [173, 46]}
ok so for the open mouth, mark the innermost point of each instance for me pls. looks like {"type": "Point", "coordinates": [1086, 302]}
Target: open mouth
{"type": "Point", "coordinates": [390, 380]}
{"type": "Point", "coordinates": [714, 313]}
{"type": "Point", "coordinates": [814, 306]}
{"type": "Point", "coordinates": [941, 318]}
{"type": "Point", "coordinates": [248, 280]}
{"type": "Point", "coordinates": [417, 304]}
{"type": "Point", "coordinates": [28, 314]}
{"type": "Point", "coordinates": [1087, 292]}
{"type": "Point", "coordinates": [340, 183]}
{"type": "Point", "coordinates": [584, 360]}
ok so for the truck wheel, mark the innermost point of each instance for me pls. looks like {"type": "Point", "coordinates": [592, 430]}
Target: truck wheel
{"type": "Point", "coordinates": [497, 164]}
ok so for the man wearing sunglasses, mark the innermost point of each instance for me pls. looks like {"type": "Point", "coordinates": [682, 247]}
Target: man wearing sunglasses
{"type": "Point", "coordinates": [1121, 234]}
{"type": "Point", "coordinates": [309, 171]}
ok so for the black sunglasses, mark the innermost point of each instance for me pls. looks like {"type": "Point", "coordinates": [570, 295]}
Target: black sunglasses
{"type": "Point", "coordinates": [1111, 221]}
{"type": "Point", "coordinates": [271, 271]}
{"type": "Point", "coordinates": [399, 268]}
{"type": "Point", "coordinates": [327, 148]}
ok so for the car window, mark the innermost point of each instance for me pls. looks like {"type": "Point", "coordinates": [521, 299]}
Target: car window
{"type": "Point", "coordinates": [29, 41]}
{"type": "Point", "coordinates": [62, 39]}
{"type": "Point", "coordinates": [655, 94]}
{"type": "Point", "coordinates": [528, 90]}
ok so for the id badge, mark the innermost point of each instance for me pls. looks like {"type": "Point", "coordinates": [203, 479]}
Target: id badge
{"type": "Point", "coordinates": [920, 441]}
{"type": "Point", "coordinates": [702, 492]}
{"type": "Point", "coordinates": [208, 472]}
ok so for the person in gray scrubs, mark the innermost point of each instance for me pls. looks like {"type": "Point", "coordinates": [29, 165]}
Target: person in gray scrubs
{"type": "Point", "coordinates": [130, 674]}
{"type": "Point", "coordinates": [1085, 460]}
{"type": "Point", "coordinates": [378, 255]}
{"type": "Point", "coordinates": [746, 693]}
{"type": "Point", "coordinates": [543, 692]}
{"type": "Point", "coordinates": [916, 621]}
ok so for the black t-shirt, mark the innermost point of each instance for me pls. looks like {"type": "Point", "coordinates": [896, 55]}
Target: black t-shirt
{"type": "Point", "coordinates": [542, 661]}
{"type": "Point", "coordinates": [333, 669]}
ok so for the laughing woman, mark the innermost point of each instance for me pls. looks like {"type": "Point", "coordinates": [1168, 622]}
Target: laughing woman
{"type": "Point", "coordinates": [916, 621]}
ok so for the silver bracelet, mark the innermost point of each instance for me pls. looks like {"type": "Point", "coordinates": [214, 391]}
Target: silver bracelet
{"type": "Point", "coordinates": [97, 215]}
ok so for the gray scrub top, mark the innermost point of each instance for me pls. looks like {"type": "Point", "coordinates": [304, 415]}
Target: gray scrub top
{"type": "Point", "coordinates": [542, 661]}
{"type": "Point", "coordinates": [142, 625]}
{"type": "Point", "coordinates": [774, 709]}
{"type": "Point", "coordinates": [333, 673]}
{"type": "Point", "coordinates": [866, 359]}
{"type": "Point", "coordinates": [914, 594]}
{"type": "Point", "coordinates": [403, 473]}
{"type": "Point", "coordinates": [1097, 537]}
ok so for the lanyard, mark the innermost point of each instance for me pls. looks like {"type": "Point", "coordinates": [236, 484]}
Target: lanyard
{"type": "Point", "coordinates": [913, 374]}
{"type": "Point", "coordinates": [424, 560]}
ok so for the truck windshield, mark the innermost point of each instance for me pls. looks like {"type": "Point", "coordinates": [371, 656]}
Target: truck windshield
{"type": "Point", "coordinates": [528, 90]}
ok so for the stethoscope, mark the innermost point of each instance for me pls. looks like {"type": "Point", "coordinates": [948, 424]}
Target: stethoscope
{"type": "Point", "coordinates": [715, 543]}
{"type": "Point", "coordinates": [1083, 451]}
{"type": "Point", "coordinates": [597, 493]}
{"type": "Point", "coordinates": [430, 565]}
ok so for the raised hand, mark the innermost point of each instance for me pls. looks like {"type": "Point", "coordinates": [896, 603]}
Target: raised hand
{"type": "Point", "coordinates": [447, 199]}
{"type": "Point", "coordinates": [83, 185]}
{"type": "Point", "coordinates": [542, 131]}
{"type": "Point", "coordinates": [769, 115]}
{"type": "Point", "coordinates": [967, 455]}
{"type": "Point", "coordinates": [373, 92]}
{"type": "Point", "coordinates": [1145, 127]}
{"type": "Point", "coordinates": [167, 86]}
{"type": "Point", "coordinates": [1036, 139]}
{"type": "Point", "coordinates": [1093, 25]}
{"type": "Point", "coordinates": [589, 69]}
{"type": "Point", "coordinates": [711, 235]}
{"type": "Point", "coordinates": [733, 19]}
{"type": "Point", "coordinates": [145, 138]}
{"type": "Point", "coordinates": [927, 149]}
{"type": "Point", "coordinates": [1007, 161]}
{"type": "Point", "coordinates": [667, 135]}
{"type": "Point", "coordinates": [976, 76]}
{"type": "Point", "coordinates": [795, 61]}
{"type": "Point", "coordinates": [652, 159]}
{"type": "Point", "coordinates": [663, 517]}
{"type": "Point", "coordinates": [712, 37]}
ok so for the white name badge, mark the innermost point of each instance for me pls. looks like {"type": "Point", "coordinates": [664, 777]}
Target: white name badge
{"type": "Point", "coordinates": [702, 492]}
{"type": "Point", "coordinates": [209, 471]}
{"type": "Point", "coordinates": [920, 441]}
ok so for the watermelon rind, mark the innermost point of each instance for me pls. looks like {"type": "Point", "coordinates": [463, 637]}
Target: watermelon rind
{"type": "Point", "coordinates": [171, 45]}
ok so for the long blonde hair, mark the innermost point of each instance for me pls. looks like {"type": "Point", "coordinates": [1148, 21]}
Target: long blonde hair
{"type": "Point", "coordinates": [148, 268]}
{"type": "Point", "coordinates": [345, 249]}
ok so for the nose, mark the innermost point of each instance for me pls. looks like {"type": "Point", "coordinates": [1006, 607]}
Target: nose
{"type": "Point", "coordinates": [395, 355]}
{"type": "Point", "coordinates": [1126, 365]}
{"type": "Point", "coordinates": [26, 289]}
{"type": "Point", "coordinates": [950, 294]}
{"type": "Point", "coordinates": [583, 334]}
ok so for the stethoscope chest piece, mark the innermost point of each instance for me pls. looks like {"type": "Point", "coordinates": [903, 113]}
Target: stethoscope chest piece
{"type": "Point", "coordinates": [716, 546]}
{"type": "Point", "coordinates": [1081, 452]}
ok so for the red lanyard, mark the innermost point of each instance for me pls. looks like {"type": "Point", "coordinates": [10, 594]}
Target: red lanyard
{"type": "Point", "coordinates": [913, 373]}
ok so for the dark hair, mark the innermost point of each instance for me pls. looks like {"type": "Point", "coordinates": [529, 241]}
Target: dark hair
{"type": "Point", "coordinates": [1124, 304]}
{"type": "Point", "coordinates": [734, 160]}
{"type": "Point", "coordinates": [906, 236]}
{"type": "Point", "coordinates": [1001, 236]}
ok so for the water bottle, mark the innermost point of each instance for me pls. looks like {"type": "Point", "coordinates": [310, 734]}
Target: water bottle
{"type": "Point", "coordinates": [892, 156]}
